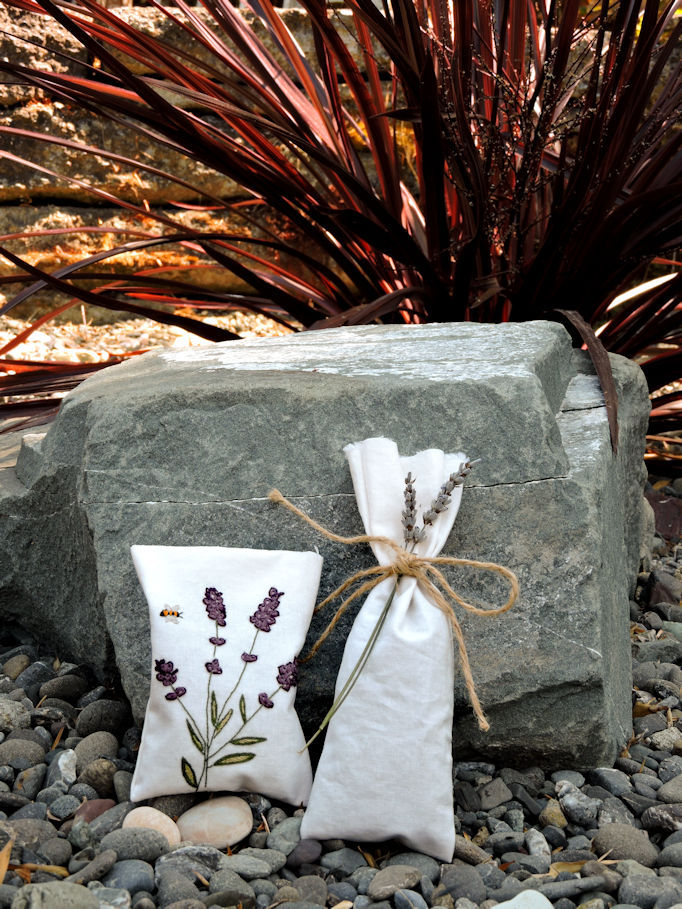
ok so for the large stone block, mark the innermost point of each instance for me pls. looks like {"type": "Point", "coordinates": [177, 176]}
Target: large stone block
{"type": "Point", "coordinates": [182, 448]}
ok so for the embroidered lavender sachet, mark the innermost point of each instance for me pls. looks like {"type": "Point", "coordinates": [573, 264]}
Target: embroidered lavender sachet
{"type": "Point", "coordinates": [226, 628]}
{"type": "Point", "coordinates": [386, 766]}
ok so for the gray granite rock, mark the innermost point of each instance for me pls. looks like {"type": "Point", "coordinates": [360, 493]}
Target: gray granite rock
{"type": "Point", "coordinates": [139, 454]}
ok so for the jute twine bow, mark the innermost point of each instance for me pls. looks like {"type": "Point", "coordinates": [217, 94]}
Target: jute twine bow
{"type": "Point", "coordinates": [429, 578]}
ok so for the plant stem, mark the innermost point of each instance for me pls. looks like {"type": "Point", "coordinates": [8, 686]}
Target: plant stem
{"type": "Point", "coordinates": [243, 725]}
{"type": "Point", "coordinates": [357, 669]}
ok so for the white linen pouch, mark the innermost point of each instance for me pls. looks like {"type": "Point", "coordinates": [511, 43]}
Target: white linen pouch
{"type": "Point", "coordinates": [386, 765]}
{"type": "Point", "coordinates": [226, 628]}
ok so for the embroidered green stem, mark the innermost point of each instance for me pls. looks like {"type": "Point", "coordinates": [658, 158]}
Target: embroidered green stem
{"type": "Point", "coordinates": [357, 669]}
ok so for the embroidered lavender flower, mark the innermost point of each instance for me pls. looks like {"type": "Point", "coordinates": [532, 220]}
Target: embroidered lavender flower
{"type": "Point", "coordinates": [175, 694]}
{"type": "Point", "coordinates": [265, 616]}
{"type": "Point", "coordinates": [207, 728]}
{"type": "Point", "coordinates": [288, 675]}
{"type": "Point", "coordinates": [215, 607]}
{"type": "Point", "coordinates": [166, 672]}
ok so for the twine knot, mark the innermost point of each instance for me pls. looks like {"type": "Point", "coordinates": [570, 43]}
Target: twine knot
{"type": "Point", "coordinates": [407, 564]}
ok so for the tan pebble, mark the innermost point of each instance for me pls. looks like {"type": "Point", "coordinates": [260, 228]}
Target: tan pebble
{"type": "Point", "coordinates": [552, 814]}
{"type": "Point", "coordinates": [16, 665]}
{"type": "Point", "coordinates": [220, 822]}
{"type": "Point", "coordinates": [154, 820]}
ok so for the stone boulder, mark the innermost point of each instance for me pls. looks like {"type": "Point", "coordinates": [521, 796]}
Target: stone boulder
{"type": "Point", "coordinates": [183, 447]}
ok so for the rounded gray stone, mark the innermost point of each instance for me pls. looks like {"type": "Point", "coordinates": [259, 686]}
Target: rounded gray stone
{"type": "Point", "coordinates": [304, 852]}
{"type": "Point", "coordinates": [93, 746]}
{"type": "Point", "coordinates": [136, 843]}
{"type": "Point", "coordinates": [274, 859]}
{"type": "Point", "coordinates": [132, 875]}
{"type": "Point", "coordinates": [64, 807]}
{"type": "Point", "coordinates": [645, 891]}
{"type": "Point", "coordinates": [122, 782]}
{"type": "Point", "coordinates": [392, 878]}
{"type": "Point", "coordinates": [246, 866]}
{"type": "Point", "coordinates": [614, 781]}
{"type": "Point", "coordinates": [100, 775]}
{"type": "Point", "coordinates": [342, 861]}
{"type": "Point", "coordinates": [459, 881]}
{"type": "Point", "coordinates": [67, 687]}
{"type": "Point", "coordinates": [409, 899]}
{"type": "Point", "coordinates": [30, 781]}
{"type": "Point", "coordinates": [362, 877]}
{"type": "Point", "coordinates": [286, 835]}
{"type": "Point", "coordinates": [224, 880]}
{"type": "Point", "coordinates": [17, 749]}
{"type": "Point", "coordinates": [56, 851]}
{"type": "Point", "coordinates": [54, 895]}
{"type": "Point", "coordinates": [625, 842]}
{"type": "Point", "coordinates": [670, 792]}
{"type": "Point", "coordinates": [670, 856]}
{"type": "Point", "coordinates": [262, 887]}
{"type": "Point", "coordinates": [426, 865]}
{"type": "Point", "coordinates": [107, 715]}
{"type": "Point", "coordinates": [28, 832]}
{"type": "Point", "coordinates": [341, 891]}
{"type": "Point", "coordinates": [312, 889]}
{"type": "Point", "coordinates": [173, 887]}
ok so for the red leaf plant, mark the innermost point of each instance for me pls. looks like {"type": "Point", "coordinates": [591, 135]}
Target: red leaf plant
{"type": "Point", "coordinates": [485, 160]}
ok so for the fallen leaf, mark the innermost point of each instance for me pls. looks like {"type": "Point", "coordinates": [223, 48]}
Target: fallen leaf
{"type": "Point", "coordinates": [369, 858]}
{"type": "Point", "coordinates": [644, 708]}
{"type": "Point", "coordinates": [58, 737]}
{"type": "Point", "coordinates": [5, 854]}
{"type": "Point", "coordinates": [557, 867]}
{"type": "Point", "coordinates": [32, 866]}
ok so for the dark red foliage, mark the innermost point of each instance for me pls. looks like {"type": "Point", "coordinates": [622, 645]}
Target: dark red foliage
{"type": "Point", "coordinates": [541, 178]}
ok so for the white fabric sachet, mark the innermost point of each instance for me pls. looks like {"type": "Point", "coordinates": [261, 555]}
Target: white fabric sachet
{"type": "Point", "coordinates": [386, 765]}
{"type": "Point", "coordinates": [226, 628]}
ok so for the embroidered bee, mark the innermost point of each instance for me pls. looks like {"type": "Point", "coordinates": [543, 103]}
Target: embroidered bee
{"type": "Point", "coordinates": [171, 614]}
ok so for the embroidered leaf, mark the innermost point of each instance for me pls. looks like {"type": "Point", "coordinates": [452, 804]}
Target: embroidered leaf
{"type": "Point", "coordinates": [242, 708]}
{"type": "Point", "coordinates": [239, 757]}
{"type": "Point", "coordinates": [189, 774]}
{"type": "Point", "coordinates": [247, 740]}
{"type": "Point", "coordinates": [196, 738]}
{"type": "Point", "coordinates": [225, 720]}
{"type": "Point", "coordinates": [214, 708]}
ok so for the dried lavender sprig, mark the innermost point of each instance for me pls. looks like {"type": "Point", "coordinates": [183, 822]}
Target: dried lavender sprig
{"type": "Point", "coordinates": [442, 500]}
{"type": "Point", "coordinates": [411, 533]}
